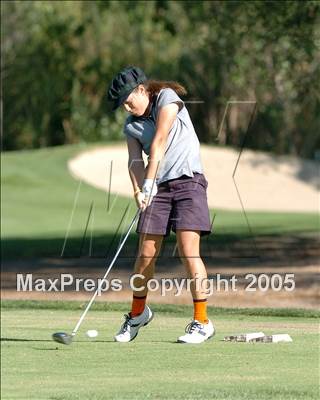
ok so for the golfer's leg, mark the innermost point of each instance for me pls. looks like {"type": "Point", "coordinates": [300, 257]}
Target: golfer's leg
{"type": "Point", "coordinates": [201, 328]}
{"type": "Point", "coordinates": [141, 315]}
{"type": "Point", "coordinates": [149, 248]}
{"type": "Point", "coordinates": [189, 251]}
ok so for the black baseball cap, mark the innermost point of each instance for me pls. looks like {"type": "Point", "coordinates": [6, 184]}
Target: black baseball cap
{"type": "Point", "coordinates": [123, 84]}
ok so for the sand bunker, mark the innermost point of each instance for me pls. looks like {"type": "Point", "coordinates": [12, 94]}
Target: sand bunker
{"type": "Point", "coordinates": [258, 180]}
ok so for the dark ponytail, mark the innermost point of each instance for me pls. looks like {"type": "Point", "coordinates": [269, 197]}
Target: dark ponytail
{"type": "Point", "coordinates": [153, 87]}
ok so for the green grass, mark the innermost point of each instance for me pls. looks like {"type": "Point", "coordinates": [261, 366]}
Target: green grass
{"type": "Point", "coordinates": [38, 195]}
{"type": "Point", "coordinates": [182, 310]}
{"type": "Point", "coordinates": [154, 366]}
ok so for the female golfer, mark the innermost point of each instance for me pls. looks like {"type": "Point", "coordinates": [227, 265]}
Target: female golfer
{"type": "Point", "coordinates": [170, 190]}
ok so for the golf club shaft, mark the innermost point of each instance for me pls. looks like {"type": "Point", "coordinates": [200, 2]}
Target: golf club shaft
{"type": "Point", "coordinates": [106, 274]}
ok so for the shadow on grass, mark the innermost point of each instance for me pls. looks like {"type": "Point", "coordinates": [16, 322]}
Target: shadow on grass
{"type": "Point", "coordinates": [5, 339]}
{"type": "Point", "coordinates": [218, 248]}
{"type": "Point", "coordinates": [59, 347]}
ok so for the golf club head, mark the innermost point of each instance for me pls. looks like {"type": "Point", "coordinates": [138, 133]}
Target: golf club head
{"type": "Point", "coordinates": [62, 337]}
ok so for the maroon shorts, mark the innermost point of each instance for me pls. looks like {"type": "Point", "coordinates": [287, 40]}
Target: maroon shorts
{"type": "Point", "coordinates": [179, 204]}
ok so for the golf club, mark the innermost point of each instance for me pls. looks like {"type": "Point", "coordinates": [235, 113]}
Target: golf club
{"type": "Point", "coordinates": [65, 338]}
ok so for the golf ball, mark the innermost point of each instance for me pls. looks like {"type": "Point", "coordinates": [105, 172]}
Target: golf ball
{"type": "Point", "coordinates": [91, 333]}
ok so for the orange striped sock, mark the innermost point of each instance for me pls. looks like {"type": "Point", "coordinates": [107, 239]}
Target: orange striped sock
{"type": "Point", "coordinates": [138, 304]}
{"type": "Point", "coordinates": [200, 310]}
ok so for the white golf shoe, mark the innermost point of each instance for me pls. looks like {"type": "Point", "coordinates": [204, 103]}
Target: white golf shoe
{"type": "Point", "coordinates": [196, 332]}
{"type": "Point", "coordinates": [130, 328]}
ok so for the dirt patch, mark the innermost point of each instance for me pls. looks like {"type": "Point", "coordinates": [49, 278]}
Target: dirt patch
{"type": "Point", "coordinates": [305, 295]}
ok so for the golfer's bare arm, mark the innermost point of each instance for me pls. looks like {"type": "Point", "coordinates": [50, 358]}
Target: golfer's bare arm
{"type": "Point", "coordinates": [135, 162]}
{"type": "Point", "coordinates": [165, 120]}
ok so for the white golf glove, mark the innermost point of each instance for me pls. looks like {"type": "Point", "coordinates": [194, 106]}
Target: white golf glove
{"type": "Point", "coordinates": [149, 189]}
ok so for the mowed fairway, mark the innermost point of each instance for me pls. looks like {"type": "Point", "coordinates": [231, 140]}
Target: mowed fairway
{"type": "Point", "coordinates": [154, 366]}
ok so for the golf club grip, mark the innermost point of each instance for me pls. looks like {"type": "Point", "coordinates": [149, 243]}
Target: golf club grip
{"type": "Point", "coordinates": [106, 274]}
